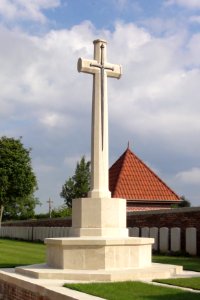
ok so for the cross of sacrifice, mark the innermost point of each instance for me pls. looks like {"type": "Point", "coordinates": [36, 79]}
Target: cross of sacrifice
{"type": "Point", "coordinates": [50, 207]}
{"type": "Point", "coordinates": [100, 69]}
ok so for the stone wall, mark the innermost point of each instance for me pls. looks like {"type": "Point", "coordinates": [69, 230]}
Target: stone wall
{"type": "Point", "coordinates": [9, 291]}
{"type": "Point", "coordinates": [179, 217]}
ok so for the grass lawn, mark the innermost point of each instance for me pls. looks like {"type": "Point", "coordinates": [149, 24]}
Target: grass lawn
{"type": "Point", "coordinates": [188, 263]}
{"type": "Point", "coordinates": [192, 283]}
{"type": "Point", "coordinates": [17, 253]}
{"type": "Point", "coordinates": [132, 290]}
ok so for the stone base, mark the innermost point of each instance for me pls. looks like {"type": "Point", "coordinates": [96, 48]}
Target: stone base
{"type": "Point", "coordinates": [99, 259]}
{"type": "Point", "coordinates": [98, 253]}
{"type": "Point", "coordinates": [155, 271]}
{"type": "Point", "coordinates": [99, 217]}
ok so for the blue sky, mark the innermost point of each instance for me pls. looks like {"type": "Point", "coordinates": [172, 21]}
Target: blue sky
{"type": "Point", "coordinates": [155, 105]}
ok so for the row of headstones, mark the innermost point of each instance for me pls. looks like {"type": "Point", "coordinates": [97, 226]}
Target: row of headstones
{"type": "Point", "coordinates": [168, 239]}
{"type": "Point", "coordinates": [33, 233]}
{"type": "Point", "coordinates": [165, 239]}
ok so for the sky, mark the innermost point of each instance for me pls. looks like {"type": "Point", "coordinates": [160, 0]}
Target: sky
{"type": "Point", "coordinates": [155, 105]}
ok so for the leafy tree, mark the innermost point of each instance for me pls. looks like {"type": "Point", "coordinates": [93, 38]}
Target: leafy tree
{"type": "Point", "coordinates": [184, 202]}
{"type": "Point", "coordinates": [17, 179]}
{"type": "Point", "coordinates": [78, 185]}
{"type": "Point", "coordinates": [22, 209]}
{"type": "Point", "coordinates": [61, 212]}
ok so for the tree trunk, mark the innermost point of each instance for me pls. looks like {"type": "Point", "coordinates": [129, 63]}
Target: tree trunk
{"type": "Point", "coordinates": [1, 213]}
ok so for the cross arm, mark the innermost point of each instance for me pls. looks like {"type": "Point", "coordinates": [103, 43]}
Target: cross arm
{"type": "Point", "coordinates": [85, 65]}
{"type": "Point", "coordinates": [114, 71]}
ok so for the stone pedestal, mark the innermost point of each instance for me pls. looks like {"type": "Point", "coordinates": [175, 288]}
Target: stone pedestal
{"type": "Point", "coordinates": [99, 242]}
{"type": "Point", "coordinates": [98, 253]}
{"type": "Point", "coordinates": [99, 217]}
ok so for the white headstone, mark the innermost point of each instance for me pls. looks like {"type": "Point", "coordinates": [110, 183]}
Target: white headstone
{"type": "Point", "coordinates": [134, 231]}
{"type": "Point", "coordinates": [30, 233]}
{"type": "Point", "coordinates": [191, 241]}
{"type": "Point", "coordinates": [175, 239]}
{"type": "Point", "coordinates": [153, 233]}
{"type": "Point", "coordinates": [66, 231]}
{"type": "Point", "coordinates": [164, 239]}
{"type": "Point", "coordinates": [145, 232]}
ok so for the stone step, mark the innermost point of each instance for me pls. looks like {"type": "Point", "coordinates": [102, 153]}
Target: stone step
{"type": "Point", "coordinates": [155, 271]}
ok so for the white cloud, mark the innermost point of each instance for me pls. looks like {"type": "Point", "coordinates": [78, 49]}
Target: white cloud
{"type": "Point", "coordinates": [159, 25]}
{"type": "Point", "coordinates": [45, 99]}
{"type": "Point", "coordinates": [192, 4]}
{"type": "Point", "coordinates": [26, 10]}
{"type": "Point", "coordinates": [124, 5]}
{"type": "Point", "coordinates": [42, 168]}
{"type": "Point", "coordinates": [194, 19]}
{"type": "Point", "coordinates": [191, 176]}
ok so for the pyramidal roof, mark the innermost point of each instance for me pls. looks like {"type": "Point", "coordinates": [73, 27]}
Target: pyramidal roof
{"type": "Point", "coordinates": [132, 179]}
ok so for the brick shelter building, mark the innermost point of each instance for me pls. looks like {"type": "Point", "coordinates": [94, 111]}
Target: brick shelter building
{"type": "Point", "coordinates": [132, 179]}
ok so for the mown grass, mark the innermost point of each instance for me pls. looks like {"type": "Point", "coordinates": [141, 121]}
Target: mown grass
{"type": "Point", "coordinates": [188, 263]}
{"type": "Point", "coordinates": [192, 283]}
{"type": "Point", "coordinates": [132, 290]}
{"type": "Point", "coordinates": [15, 253]}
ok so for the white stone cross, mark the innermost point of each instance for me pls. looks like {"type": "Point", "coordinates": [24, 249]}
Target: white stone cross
{"type": "Point", "coordinates": [100, 69]}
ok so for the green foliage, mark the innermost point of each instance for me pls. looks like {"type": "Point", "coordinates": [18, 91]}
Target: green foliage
{"type": "Point", "coordinates": [184, 202]}
{"type": "Point", "coordinates": [78, 185]}
{"type": "Point", "coordinates": [61, 212]}
{"type": "Point", "coordinates": [22, 209]}
{"type": "Point", "coordinates": [41, 216]}
{"type": "Point", "coordinates": [17, 179]}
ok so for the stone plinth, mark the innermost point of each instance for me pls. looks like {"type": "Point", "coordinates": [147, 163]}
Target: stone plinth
{"type": "Point", "coordinates": [99, 259]}
{"type": "Point", "coordinates": [103, 217]}
{"type": "Point", "coordinates": [98, 254]}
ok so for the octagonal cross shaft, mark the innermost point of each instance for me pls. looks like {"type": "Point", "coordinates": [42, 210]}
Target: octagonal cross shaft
{"type": "Point", "coordinates": [100, 70]}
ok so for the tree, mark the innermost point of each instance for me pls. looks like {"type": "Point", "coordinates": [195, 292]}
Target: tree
{"type": "Point", "coordinates": [184, 202]}
{"type": "Point", "coordinates": [61, 212]}
{"type": "Point", "coordinates": [17, 179]}
{"type": "Point", "coordinates": [22, 209]}
{"type": "Point", "coordinates": [78, 185]}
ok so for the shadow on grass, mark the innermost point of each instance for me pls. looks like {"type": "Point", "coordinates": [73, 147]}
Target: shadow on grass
{"type": "Point", "coordinates": [8, 266]}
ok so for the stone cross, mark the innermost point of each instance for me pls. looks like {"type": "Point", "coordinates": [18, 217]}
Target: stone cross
{"type": "Point", "coordinates": [50, 207]}
{"type": "Point", "coordinates": [100, 69]}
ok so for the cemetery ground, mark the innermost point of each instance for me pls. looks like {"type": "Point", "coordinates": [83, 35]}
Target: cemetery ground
{"type": "Point", "coordinates": [17, 253]}
{"type": "Point", "coordinates": [130, 290]}
{"type": "Point", "coordinates": [188, 262]}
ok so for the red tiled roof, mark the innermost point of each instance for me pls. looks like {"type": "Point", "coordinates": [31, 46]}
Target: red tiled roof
{"type": "Point", "coordinates": [131, 179]}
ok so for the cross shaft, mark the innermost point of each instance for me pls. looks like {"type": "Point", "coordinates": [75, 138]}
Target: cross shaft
{"type": "Point", "coordinates": [102, 67]}
{"type": "Point", "coordinates": [100, 70]}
